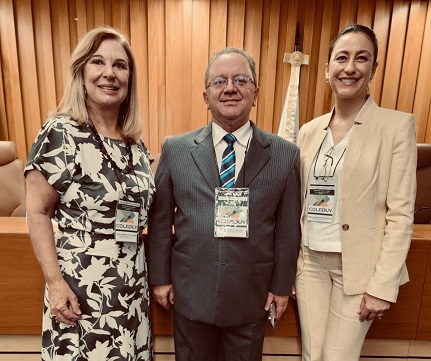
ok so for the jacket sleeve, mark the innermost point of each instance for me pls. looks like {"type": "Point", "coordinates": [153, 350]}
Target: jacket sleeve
{"type": "Point", "coordinates": [288, 232]}
{"type": "Point", "coordinates": [400, 202]}
{"type": "Point", "coordinates": [160, 227]}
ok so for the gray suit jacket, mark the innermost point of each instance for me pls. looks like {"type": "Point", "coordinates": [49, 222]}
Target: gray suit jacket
{"type": "Point", "coordinates": [224, 281]}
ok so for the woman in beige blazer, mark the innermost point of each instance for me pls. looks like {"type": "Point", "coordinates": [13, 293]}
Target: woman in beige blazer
{"type": "Point", "coordinates": [358, 188]}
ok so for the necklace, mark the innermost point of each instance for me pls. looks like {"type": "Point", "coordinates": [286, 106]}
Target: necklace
{"type": "Point", "coordinates": [105, 153]}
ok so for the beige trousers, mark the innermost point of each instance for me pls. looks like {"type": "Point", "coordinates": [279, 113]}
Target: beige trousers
{"type": "Point", "coordinates": [330, 326]}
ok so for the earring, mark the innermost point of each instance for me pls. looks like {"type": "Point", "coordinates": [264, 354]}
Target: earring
{"type": "Point", "coordinates": [85, 93]}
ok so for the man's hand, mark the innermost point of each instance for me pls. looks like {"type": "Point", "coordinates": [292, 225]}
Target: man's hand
{"type": "Point", "coordinates": [164, 295]}
{"type": "Point", "coordinates": [281, 303]}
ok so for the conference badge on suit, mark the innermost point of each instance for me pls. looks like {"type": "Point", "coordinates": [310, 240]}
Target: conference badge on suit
{"type": "Point", "coordinates": [231, 212]}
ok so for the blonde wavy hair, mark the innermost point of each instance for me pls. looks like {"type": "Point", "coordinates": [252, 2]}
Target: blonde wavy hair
{"type": "Point", "coordinates": [74, 98]}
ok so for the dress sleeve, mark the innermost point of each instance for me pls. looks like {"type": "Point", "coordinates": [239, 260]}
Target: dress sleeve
{"type": "Point", "coordinates": [53, 154]}
{"type": "Point", "coordinates": [146, 152]}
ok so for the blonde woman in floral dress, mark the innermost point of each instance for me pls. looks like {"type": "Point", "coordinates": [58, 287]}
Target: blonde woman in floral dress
{"type": "Point", "coordinates": [89, 171]}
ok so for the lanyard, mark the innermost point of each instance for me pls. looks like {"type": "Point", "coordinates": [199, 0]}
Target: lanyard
{"type": "Point", "coordinates": [114, 165]}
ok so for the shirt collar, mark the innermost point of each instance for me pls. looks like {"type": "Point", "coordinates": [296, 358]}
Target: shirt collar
{"type": "Point", "coordinates": [242, 134]}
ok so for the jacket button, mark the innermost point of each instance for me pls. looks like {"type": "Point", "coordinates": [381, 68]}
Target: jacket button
{"type": "Point", "coordinates": [345, 227]}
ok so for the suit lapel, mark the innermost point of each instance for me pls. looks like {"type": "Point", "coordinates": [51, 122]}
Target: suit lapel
{"type": "Point", "coordinates": [256, 158]}
{"type": "Point", "coordinates": [356, 144]}
{"type": "Point", "coordinates": [310, 153]}
{"type": "Point", "coordinates": [204, 156]}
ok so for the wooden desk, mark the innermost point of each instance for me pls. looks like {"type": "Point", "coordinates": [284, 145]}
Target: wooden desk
{"type": "Point", "coordinates": [21, 292]}
{"type": "Point", "coordinates": [422, 233]}
{"type": "Point", "coordinates": [21, 281]}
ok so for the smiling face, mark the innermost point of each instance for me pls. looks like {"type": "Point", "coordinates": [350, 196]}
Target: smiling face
{"type": "Point", "coordinates": [106, 76]}
{"type": "Point", "coordinates": [230, 106]}
{"type": "Point", "coordinates": [352, 66]}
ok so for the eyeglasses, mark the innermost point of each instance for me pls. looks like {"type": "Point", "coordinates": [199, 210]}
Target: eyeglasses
{"type": "Point", "coordinates": [328, 162]}
{"type": "Point", "coordinates": [239, 81]}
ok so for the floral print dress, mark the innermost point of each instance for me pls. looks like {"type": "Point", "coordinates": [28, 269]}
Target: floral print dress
{"type": "Point", "coordinates": [108, 277]}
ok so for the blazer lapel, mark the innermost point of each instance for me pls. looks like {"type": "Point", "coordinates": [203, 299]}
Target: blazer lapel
{"type": "Point", "coordinates": [356, 143]}
{"type": "Point", "coordinates": [312, 151]}
{"type": "Point", "coordinates": [256, 158]}
{"type": "Point", "coordinates": [204, 156]}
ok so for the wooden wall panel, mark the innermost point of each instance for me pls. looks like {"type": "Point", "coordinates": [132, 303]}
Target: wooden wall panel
{"type": "Point", "coordinates": [311, 39]}
{"type": "Point", "coordinates": [408, 78]}
{"type": "Point", "coordinates": [61, 44]}
{"type": "Point", "coordinates": [11, 76]}
{"type": "Point", "coordinates": [139, 37]}
{"type": "Point", "coordinates": [186, 75]}
{"type": "Point", "coordinates": [174, 62]}
{"type": "Point", "coordinates": [365, 12]}
{"type": "Point", "coordinates": [218, 25]}
{"type": "Point", "coordinates": [323, 93]}
{"type": "Point", "coordinates": [156, 75]}
{"type": "Point", "coordinates": [421, 106]}
{"type": "Point", "coordinates": [395, 55]}
{"type": "Point", "coordinates": [81, 18]}
{"type": "Point", "coordinates": [381, 27]}
{"type": "Point", "coordinates": [252, 35]}
{"type": "Point", "coordinates": [28, 69]}
{"type": "Point", "coordinates": [199, 59]}
{"type": "Point", "coordinates": [281, 81]}
{"type": "Point", "coordinates": [44, 65]}
{"type": "Point", "coordinates": [235, 23]}
{"type": "Point", "coordinates": [173, 41]}
{"type": "Point", "coordinates": [268, 64]}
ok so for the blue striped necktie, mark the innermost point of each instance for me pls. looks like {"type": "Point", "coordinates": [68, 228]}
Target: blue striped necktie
{"type": "Point", "coordinates": [227, 169]}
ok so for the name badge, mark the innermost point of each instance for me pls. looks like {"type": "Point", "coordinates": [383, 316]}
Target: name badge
{"type": "Point", "coordinates": [127, 221]}
{"type": "Point", "coordinates": [231, 212]}
{"type": "Point", "coordinates": [322, 200]}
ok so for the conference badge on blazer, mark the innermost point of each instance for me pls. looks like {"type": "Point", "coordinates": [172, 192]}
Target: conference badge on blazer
{"type": "Point", "coordinates": [127, 221]}
{"type": "Point", "coordinates": [321, 200]}
{"type": "Point", "coordinates": [231, 212]}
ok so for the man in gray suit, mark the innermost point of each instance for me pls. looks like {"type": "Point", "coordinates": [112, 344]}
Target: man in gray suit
{"type": "Point", "coordinates": [234, 249]}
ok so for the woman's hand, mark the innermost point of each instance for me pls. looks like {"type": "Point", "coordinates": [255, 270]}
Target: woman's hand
{"type": "Point", "coordinates": [63, 303]}
{"type": "Point", "coordinates": [41, 203]}
{"type": "Point", "coordinates": [372, 307]}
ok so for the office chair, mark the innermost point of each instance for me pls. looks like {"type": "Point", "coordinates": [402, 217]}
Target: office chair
{"type": "Point", "coordinates": [12, 181]}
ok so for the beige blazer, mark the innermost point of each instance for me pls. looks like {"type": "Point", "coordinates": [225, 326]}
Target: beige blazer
{"type": "Point", "coordinates": [378, 189]}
